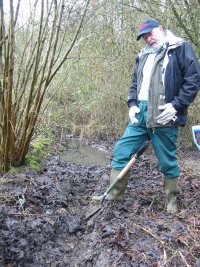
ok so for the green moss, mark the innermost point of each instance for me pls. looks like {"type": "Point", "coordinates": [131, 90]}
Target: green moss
{"type": "Point", "coordinates": [38, 152]}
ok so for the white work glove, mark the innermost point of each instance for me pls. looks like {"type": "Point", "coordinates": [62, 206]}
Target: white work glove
{"type": "Point", "coordinates": [132, 111]}
{"type": "Point", "coordinates": [167, 115]}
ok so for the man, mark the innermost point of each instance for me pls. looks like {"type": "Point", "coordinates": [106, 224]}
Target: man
{"type": "Point", "coordinates": [165, 82]}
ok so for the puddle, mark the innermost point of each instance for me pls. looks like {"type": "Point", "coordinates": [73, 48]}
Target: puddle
{"type": "Point", "coordinates": [78, 152]}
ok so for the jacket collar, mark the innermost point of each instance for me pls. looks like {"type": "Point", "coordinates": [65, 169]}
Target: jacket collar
{"type": "Point", "coordinates": [171, 42]}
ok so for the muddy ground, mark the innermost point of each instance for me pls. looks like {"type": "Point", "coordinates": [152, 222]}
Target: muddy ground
{"type": "Point", "coordinates": [43, 217]}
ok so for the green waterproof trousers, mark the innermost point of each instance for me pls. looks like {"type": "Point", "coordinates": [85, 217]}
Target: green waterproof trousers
{"type": "Point", "coordinates": [163, 140]}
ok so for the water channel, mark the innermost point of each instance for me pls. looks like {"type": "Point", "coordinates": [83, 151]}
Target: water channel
{"type": "Point", "coordinates": [78, 152]}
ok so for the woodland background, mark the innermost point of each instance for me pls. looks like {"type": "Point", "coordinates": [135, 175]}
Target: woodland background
{"type": "Point", "coordinates": [66, 68]}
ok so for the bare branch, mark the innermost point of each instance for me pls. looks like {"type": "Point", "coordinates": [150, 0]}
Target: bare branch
{"type": "Point", "coordinates": [17, 12]}
{"type": "Point", "coordinates": [71, 46]}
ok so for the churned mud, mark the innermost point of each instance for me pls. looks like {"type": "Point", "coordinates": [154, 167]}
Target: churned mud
{"type": "Point", "coordinates": [43, 217]}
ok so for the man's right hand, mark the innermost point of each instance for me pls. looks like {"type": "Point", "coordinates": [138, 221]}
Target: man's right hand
{"type": "Point", "coordinates": [132, 111]}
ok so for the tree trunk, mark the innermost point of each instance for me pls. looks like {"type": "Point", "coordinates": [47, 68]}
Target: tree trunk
{"type": "Point", "coordinates": [21, 97]}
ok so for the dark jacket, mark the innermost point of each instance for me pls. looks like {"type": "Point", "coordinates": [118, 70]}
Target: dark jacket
{"type": "Point", "coordinates": [181, 79]}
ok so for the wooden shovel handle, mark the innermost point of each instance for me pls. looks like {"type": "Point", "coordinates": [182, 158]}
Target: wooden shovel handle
{"type": "Point", "coordinates": [127, 167]}
{"type": "Point", "coordinates": [131, 162]}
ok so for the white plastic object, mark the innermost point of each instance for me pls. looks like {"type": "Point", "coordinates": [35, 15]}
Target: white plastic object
{"type": "Point", "coordinates": [195, 131]}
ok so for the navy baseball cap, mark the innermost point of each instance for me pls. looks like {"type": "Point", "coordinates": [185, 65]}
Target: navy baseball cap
{"type": "Point", "coordinates": [147, 26]}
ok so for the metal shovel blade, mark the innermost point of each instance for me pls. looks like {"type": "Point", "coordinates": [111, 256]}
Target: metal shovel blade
{"type": "Point", "coordinates": [92, 210]}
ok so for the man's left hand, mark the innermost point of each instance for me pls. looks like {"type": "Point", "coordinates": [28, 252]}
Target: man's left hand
{"type": "Point", "coordinates": [167, 115]}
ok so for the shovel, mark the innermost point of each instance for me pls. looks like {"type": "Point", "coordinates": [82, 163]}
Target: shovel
{"type": "Point", "coordinates": [119, 177]}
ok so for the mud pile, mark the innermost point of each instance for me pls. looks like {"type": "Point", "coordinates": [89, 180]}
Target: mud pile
{"type": "Point", "coordinates": [43, 218]}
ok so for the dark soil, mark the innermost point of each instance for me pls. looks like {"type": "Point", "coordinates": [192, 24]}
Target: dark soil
{"type": "Point", "coordinates": [43, 217]}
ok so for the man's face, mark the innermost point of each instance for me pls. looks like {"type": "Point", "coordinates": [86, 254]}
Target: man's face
{"type": "Point", "coordinates": [154, 38]}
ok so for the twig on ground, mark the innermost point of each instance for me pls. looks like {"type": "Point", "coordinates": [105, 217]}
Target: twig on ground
{"type": "Point", "coordinates": [5, 174]}
{"type": "Point", "coordinates": [148, 232]}
{"type": "Point", "coordinates": [25, 214]}
{"type": "Point", "coordinates": [184, 260]}
{"type": "Point", "coordinates": [149, 208]}
{"type": "Point", "coordinates": [165, 258]}
{"type": "Point", "coordinates": [58, 185]}
{"type": "Point", "coordinates": [31, 180]}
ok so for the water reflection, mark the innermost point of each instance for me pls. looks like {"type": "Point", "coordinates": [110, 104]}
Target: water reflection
{"type": "Point", "coordinates": [80, 153]}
